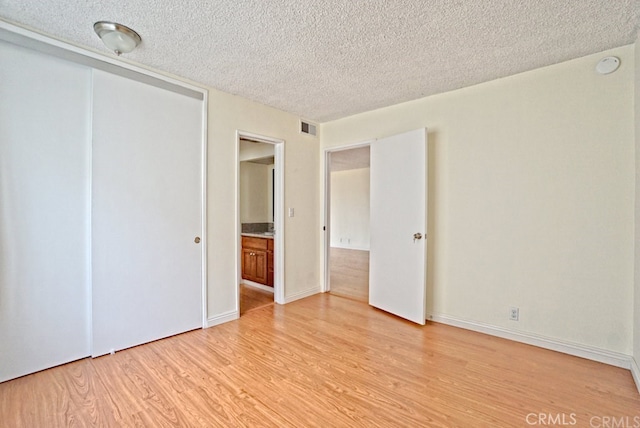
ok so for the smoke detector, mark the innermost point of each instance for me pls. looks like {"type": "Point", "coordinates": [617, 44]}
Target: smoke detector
{"type": "Point", "coordinates": [608, 65]}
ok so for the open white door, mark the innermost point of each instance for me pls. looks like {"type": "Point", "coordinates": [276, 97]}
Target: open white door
{"type": "Point", "coordinates": [397, 267]}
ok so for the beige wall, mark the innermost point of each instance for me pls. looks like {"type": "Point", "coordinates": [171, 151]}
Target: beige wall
{"type": "Point", "coordinates": [255, 193]}
{"type": "Point", "coordinates": [531, 184]}
{"type": "Point", "coordinates": [227, 114]}
{"type": "Point", "coordinates": [350, 209]}
{"type": "Point", "coordinates": [249, 151]}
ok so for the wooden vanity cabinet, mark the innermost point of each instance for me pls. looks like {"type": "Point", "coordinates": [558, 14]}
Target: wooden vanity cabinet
{"type": "Point", "coordinates": [257, 260]}
{"type": "Point", "coordinates": [270, 262]}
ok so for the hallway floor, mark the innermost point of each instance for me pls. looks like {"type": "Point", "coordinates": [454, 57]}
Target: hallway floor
{"type": "Point", "coordinates": [253, 298]}
{"type": "Point", "coordinates": [349, 273]}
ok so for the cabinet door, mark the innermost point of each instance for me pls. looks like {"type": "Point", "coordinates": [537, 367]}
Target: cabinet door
{"type": "Point", "coordinates": [260, 258]}
{"type": "Point", "coordinates": [270, 268]}
{"type": "Point", "coordinates": [248, 264]}
{"type": "Point", "coordinates": [254, 259]}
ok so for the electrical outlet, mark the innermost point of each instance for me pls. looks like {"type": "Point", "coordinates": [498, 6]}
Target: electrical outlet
{"type": "Point", "coordinates": [514, 314]}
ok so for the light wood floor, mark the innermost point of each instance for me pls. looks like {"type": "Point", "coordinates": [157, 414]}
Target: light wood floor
{"type": "Point", "coordinates": [253, 298]}
{"type": "Point", "coordinates": [349, 273]}
{"type": "Point", "coordinates": [323, 361]}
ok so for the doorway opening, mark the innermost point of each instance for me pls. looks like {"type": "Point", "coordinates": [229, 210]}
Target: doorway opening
{"type": "Point", "coordinates": [260, 197]}
{"type": "Point", "coordinates": [398, 171]}
{"type": "Point", "coordinates": [347, 199]}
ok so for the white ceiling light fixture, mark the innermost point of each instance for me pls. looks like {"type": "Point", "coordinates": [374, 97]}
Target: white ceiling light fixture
{"type": "Point", "coordinates": [117, 37]}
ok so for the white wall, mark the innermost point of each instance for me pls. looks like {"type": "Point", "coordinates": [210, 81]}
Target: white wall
{"type": "Point", "coordinates": [228, 114]}
{"type": "Point", "coordinates": [531, 184]}
{"type": "Point", "coordinates": [255, 193]}
{"type": "Point", "coordinates": [350, 209]}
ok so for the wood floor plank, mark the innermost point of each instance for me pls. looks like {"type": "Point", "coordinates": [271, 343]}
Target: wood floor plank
{"type": "Point", "coordinates": [252, 298]}
{"type": "Point", "coordinates": [349, 273]}
{"type": "Point", "coordinates": [79, 384]}
{"type": "Point", "coordinates": [321, 361]}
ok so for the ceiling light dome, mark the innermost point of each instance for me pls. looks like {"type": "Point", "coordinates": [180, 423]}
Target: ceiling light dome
{"type": "Point", "coordinates": [117, 37]}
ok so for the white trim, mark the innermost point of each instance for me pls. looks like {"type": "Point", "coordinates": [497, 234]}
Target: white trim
{"type": "Point", "coordinates": [257, 285]}
{"type": "Point", "coordinates": [350, 146]}
{"type": "Point", "coordinates": [203, 238]}
{"type": "Point", "coordinates": [279, 250]}
{"type": "Point", "coordinates": [302, 294]}
{"type": "Point", "coordinates": [223, 318]}
{"type": "Point", "coordinates": [347, 247]}
{"type": "Point", "coordinates": [89, 229]}
{"type": "Point", "coordinates": [278, 237]}
{"type": "Point", "coordinates": [575, 349]}
{"type": "Point", "coordinates": [237, 264]}
{"type": "Point", "coordinates": [635, 372]}
{"type": "Point", "coordinates": [325, 283]}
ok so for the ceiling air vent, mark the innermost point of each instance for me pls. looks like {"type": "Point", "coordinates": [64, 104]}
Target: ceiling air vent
{"type": "Point", "coordinates": [308, 128]}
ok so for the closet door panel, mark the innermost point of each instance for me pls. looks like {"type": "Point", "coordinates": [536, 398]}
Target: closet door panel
{"type": "Point", "coordinates": [44, 211]}
{"type": "Point", "coordinates": [146, 213]}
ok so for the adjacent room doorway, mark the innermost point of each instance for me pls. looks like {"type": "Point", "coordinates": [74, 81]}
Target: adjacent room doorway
{"type": "Point", "coordinates": [260, 190]}
{"type": "Point", "coordinates": [397, 224]}
{"type": "Point", "coordinates": [348, 226]}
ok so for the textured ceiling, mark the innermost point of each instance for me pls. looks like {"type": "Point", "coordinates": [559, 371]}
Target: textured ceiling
{"type": "Point", "coordinates": [326, 59]}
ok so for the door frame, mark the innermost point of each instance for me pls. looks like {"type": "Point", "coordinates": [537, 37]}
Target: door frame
{"type": "Point", "coordinates": [278, 221]}
{"type": "Point", "coordinates": [204, 233]}
{"type": "Point", "coordinates": [325, 283]}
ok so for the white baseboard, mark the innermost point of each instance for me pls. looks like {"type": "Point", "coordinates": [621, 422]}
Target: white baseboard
{"type": "Point", "coordinates": [635, 372]}
{"type": "Point", "coordinates": [350, 247]}
{"type": "Point", "coordinates": [302, 294]}
{"type": "Point", "coordinates": [577, 350]}
{"type": "Point", "coordinates": [222, 318]}
{"type": "Point", "coordinates": [257, 285]}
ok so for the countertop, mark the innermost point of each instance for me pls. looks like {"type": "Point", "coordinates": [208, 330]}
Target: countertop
{"type": "Point", "coordinates": [258, 235]}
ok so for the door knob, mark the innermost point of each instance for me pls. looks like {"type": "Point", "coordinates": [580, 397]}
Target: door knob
{"type": "Point", "coordinates": [197, 240]}
{"type": "Point", "coordinates": [417, 236]}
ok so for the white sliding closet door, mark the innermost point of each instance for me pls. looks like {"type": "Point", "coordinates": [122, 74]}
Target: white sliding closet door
{"type": "Point", "coordinates": [44, 211]}
{"type": "Point", "coordinates": [146, 208]}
